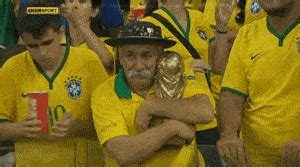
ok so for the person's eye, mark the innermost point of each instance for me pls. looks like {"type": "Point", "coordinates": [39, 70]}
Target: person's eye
{"type": "Point", "coordinates": [146, 56]}
{"type": "Point", "coordinates": [130, 56]}
{"type": "Point", "coordinates": [48, 42]}
{"type": "Point", "coordinates": [33, 46]}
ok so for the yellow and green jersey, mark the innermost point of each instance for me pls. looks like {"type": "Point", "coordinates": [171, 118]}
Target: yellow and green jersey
{"type": "Point", "coordinates": [114, 110]}
{"type": "Point", "coordinates": [253, 11]}
{"type": "Point", "coordinates": [197, 32]}
{"type": "Point", "coordinates": [69, 90]}
{"type": "Point", "coordinates": [264, 68]}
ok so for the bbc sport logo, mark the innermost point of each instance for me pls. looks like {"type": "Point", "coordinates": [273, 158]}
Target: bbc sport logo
{"type": "Point", "coordinates": [42, 10]}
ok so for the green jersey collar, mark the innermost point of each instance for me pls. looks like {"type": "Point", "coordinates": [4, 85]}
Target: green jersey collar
{"type": "Point", "coordinates": [186, 32]}
{"type": "Point", "coordinates": [286, 33]}
{"type": "Point", "coordinates": [122, 88]}
{"type": "Point", "coordinates": [51, 80]}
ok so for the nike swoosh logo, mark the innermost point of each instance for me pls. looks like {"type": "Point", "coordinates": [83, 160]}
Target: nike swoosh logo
{"type": "Point", "coordinates": [24, 94]}
{"type": "Point", "coordinates": [254, 56]}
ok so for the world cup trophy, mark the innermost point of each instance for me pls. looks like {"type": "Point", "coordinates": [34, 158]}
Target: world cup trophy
{"type": "Point", "coordinates": [170, 82]}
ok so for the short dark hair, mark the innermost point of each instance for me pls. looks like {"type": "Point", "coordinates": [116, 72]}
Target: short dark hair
{"type": "Point", "coordinates": [96, 3]}
{"type": "Point", "coordinates": [37, 24]}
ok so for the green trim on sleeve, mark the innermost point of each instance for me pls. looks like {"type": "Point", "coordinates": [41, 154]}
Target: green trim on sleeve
{"type": "Point", "coordinates": [186, 33]}
{"type": "Point", "coordinates": [122, 88]}
{"type": "Point", "coordinates": [286, 33]}
{"type": "Point", "coordinates": [226, 89]}
{"type": "Point", "coordinates": [52, 79]}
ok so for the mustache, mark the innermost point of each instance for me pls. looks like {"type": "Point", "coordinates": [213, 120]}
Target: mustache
{"type": "Point", "coordinates": [143, 73]}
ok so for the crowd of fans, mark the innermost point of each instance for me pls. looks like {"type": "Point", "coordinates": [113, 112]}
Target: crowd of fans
{"type": "Point", "coordinates": [157, 83]}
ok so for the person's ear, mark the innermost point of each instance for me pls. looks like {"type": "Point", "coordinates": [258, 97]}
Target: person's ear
{"type": "Point", "coordinates": [95, 12]}
{"type": "Point", "coordinates": [61, 31]}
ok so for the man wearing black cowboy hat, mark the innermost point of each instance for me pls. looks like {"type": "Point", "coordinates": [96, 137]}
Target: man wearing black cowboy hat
{"type": "Point", "coordinates": [124, 106]}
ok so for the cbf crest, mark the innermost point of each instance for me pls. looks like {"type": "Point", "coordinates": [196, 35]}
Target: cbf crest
{"type": "Point", "coordinates": [255, 7]}
{"type": "Point", "coordinates": [202, 35]}
{"type": "Point", "coordinates": [74, 87]}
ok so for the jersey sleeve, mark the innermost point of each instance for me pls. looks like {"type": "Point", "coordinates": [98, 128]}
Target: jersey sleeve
{"type": "Point", "coordinates": [107, 114]}
{"type": "Point", "coordinates": [234, 79]}
{"type": "Point", "coordinates": [8, 94]}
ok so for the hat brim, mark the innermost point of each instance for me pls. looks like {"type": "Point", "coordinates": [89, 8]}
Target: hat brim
{"type": "Point", "coordinates": [140, 40]}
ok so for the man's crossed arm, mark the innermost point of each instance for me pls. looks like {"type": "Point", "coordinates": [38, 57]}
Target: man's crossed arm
{"type": "Point", "coordinates": [181, 113]}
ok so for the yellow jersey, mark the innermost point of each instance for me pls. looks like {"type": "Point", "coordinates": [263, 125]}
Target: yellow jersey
{"type": "Point", "coordinates": [69, 89]}
{"type": "Point", "coordinates": [264, 68]}
{"type": "Point", "coordinates": [114, 109]}
{"type": "Point", "coordinates": [198, 33]}
{"type": "Point", "coordinates": [253, 11]}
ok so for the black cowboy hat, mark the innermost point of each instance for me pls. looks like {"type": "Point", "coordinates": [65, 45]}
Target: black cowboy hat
{"type": "Point", "coordinates": [140, 32]}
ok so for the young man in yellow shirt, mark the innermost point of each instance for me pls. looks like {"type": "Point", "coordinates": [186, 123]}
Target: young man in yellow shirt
{"type": "Point", "coordinates": [125, 105]}
{"type": "Point", "coordinates": [68, 74]}
{"type": "Point", "coordinates": [263, 74]}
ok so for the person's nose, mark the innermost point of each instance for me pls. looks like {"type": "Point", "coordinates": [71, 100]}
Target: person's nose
{"type": "Point", "coordinates": [139, 65]}
{"type": "Point", "coordinates": [43, 51]}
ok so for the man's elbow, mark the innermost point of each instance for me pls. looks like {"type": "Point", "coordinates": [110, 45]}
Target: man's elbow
{"type": "Point", "coordinates": [205, 117]}
{"type": "Point", "coordinates": [205, 112]}
{"type": "Point", "coordinates": [122, 160]}
{"type": "Point", "coordinates": [120, 155]}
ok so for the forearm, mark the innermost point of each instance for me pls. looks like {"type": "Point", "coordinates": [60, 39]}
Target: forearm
{"type": "Point", "coordinates": [221, 54]}
{"type": "Point", "coordinates": [98, 47]}
{"type": "Point", "coordinates": [136, 149]}
{"type": "Point", "coordinates": [230, 114]}
{"type": "Point", "coordinates": [193, 110]}
{"type": "Point", "coordinates": [10, 131]}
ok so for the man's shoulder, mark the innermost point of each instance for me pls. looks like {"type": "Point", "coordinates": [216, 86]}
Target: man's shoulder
{"type": "Point", "coordinates": [106, 89]}
{"type": "Point", "coordinates": [16, 62]}
{"type": "Point", "coordinates": [84, 57]}
{"type": "Point", "coordinates": [253, 29]}
{"type": "Point", "coordinates": [83, 54]}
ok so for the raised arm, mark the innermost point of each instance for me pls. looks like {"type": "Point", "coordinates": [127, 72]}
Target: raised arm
{"type": "Point", "coordinates": [224, 37]}
{"type": "Point", "coordinates": [74, 12]}
{"type": "Point", "coordinates": [136, 149]}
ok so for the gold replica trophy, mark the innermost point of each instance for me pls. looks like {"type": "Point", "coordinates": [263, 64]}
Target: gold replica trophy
{"type": "Point", "coordinates": [170, 82]}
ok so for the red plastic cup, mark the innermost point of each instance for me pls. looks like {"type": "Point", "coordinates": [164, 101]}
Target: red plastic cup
{"type": "Point", "coordinates": [139, 12]}
{"type": "Point", "coordinates": [41, 108]}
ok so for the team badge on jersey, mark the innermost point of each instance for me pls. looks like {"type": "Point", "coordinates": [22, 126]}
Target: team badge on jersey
{"type": "Point", "coordinates": [74, 88]}
{"type": "Point", "coordinates": [202, 35]}
{"type": "Point", "coordinates": [255, 7]}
